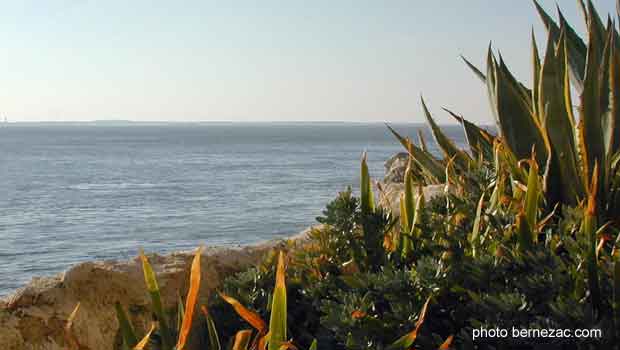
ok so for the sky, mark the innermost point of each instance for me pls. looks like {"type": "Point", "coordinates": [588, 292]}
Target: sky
{"type": "Point", "coordinates": [320, 60]}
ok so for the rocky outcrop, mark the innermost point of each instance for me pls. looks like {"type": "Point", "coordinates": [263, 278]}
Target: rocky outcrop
{"type": "Point", "coordinates": [392, 185]}
{"type": "Point", "coordinates": [33, 318]}
{"type": "Point", "coordinates": [395, 168]}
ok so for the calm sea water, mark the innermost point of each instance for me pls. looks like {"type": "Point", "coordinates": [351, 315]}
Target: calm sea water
{"type": "Point", "coordinates": [71, 193]}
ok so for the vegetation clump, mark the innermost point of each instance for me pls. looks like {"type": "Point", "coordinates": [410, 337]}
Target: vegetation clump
{"type": "Point", "coordinates": [524, 237]}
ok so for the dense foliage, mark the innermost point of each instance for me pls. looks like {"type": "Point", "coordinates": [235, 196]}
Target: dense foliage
{"type": "Point", "coordinates": [524, 237]}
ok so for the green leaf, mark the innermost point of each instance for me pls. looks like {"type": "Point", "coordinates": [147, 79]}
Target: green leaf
{"type": "Point", "coordinates": [524, 234]}
{"type": "Point", "coordinates": [614, 99]}
{"type": "Point", "coordinates": [447, 146]}
{"type": "Point", "coordinates": [214, 339]}
{"type": "Point", "coordinates": [277, 322]}
{"type": "Point", "coordinates": [517, 125]}
{"type": "Point", "coordinates": [589, 229]}
{"type": "Point", "coordinates": [475, 69]}
{"type": "Point", "coordinates": [536, 70]}
{"type": "Point", "coordinates": [367, 196]}
{"type": "Point", "coordinates": [477, 221]}
{"type": "Point", "coordinates": [433, 170]}
{"type": "Point", "coordinates": [314, 345]}
{"type": "Point", "coordinates": [558, 121]}
{"type": "Point", "coordinates": [591, 135]}
{"type": "Point", "coordinates": [532, 195]}
{"type": "Point", "coordinates": [127, 332]}
{"type": "Point", "coordinates": [422, 141]}
{"type": "Point", "coordinates": [479, 140]}
{"type": "Point", "coordinates": [158, 309]}
{"type": "Point", "coordinates": [575, 46]}
{"type": "Point", "coordinates": [616, 292]}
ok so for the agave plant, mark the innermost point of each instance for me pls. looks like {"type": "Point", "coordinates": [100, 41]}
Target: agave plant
{"type": "Point", "coordinates": [544, 157]}
{"type": "Point", "coordinates": [542, 118]}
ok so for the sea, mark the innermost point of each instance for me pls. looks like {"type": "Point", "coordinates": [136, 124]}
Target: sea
{"type": "Point", "coordinates": [74, 192]}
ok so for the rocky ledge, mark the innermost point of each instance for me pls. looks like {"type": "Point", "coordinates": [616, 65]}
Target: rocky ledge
{"type": "Point", "coordinates": [33, 318]}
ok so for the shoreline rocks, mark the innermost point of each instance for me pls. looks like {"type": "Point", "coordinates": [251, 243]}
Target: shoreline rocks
{"type": "Point", "coordinates": [33, 317]}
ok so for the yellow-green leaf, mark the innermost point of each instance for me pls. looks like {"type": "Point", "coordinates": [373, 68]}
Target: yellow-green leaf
{"type": "Point", "coordinates": [367, 196]}
{"type": "Point", "coordinates": [158, 309]}
{"type": "Point", "coordinates": [277, 322]}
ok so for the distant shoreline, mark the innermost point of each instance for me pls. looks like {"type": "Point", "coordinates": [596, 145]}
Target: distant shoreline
{"type": "Point", "coordinates": [244, 123]}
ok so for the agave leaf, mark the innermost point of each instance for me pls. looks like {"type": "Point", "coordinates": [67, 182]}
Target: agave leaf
{"type": "Point", "coordinates": [596, 27]}
{"type": "Point", "coordinates": [248, 315]}
{"type": "Point", "coordinates": [475, 69]}
{"type": "Point", "coordinates": [431, 168]}
{"type": "Point", "coordinates": [524, 233]}
{"type": "Point", "coordinates": [145, 341]}
{"type": "Point", "coordinates": [616, 290]}
{"type": "Point", "coordinates": [591, 135]}
{"type": "Point", "coordinates": [70, 338]}
{"type": "Point", "coordinates": [422, 141]}
{"type": "Point", "coordinates": [277, 322]}
{"type": "Point", "coordinates": [180, 313]}
{"type": "Point", "coordinates": [419, 209]}
{"type": "Point", "coordinates": [408, 212]}
{"type": "Point", "coordinates": [536, 70]}
{"type": "Point", "coordinates": [403, 141]}
{"type": "Point", "coordinates": [532, 195]}
{"type": "Point", "coordinates": [242, 340]}
{"type": "Point", "coordinates": [190, 302]}
{"type": "Point", "coordinates": [158, 309]}
{"type": "Point", "coordinates": [477, 221]}
{"type": "Point", "coordinates": [589, 230]}
{"type": "Point", "coordinates": [367, 197]}
{"type": "Point", "coordinates": [575, 46]}
{"type": "Point", "coordinates": [576, 52]}
{"type": "Point", "coordinates": [447, 146]}
{"type": "Point", "coordinates": [404, 215]}
{"type": "Point", "coordinates": [491, 83]}
{"type": "Point", "coordinates": [479, 140]}
{"type": "Point", "coordinates": [524, 92]}
{"type": "Point", "coordinates": [614, 99]}
{"type": "Point", "coordinates": [127, 332]}
{"type": "Point", "coordinates": [559, 123]}
{"type": "Point", "coordinates": [214, 339]}
{"type": "Point", "coordinates": [500, 179]}
{"type": "Point", "coordinates": [518, 126]}
{"type": "Point", "coordinates": [447, 344]}
{"type": "Point", "coordinates": [406, 341]}
{"type": "Point", "coordinates": [409, 195]}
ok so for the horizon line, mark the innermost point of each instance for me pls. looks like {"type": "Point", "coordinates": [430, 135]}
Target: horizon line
{"type": "Point", "coordinates": [129, 121]}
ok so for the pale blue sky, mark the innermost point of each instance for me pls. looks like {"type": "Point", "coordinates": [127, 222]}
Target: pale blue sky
{"type": "Point", "coordinates": [257, 60]}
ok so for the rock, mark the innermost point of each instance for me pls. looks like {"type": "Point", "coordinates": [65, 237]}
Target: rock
{"type": "Point", "coordinates": [33, 317]}
{"type": "Point", "coordinates": [395, 168]}
{"type": "Point", "coordinates": [391, 194]}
